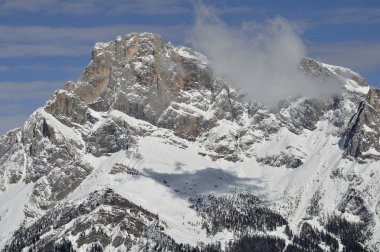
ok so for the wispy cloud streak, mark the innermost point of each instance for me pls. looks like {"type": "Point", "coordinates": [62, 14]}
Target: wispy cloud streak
{"type": "Point", "coordinates": [91, 7]}
{"type": "Point", "coordinates": [361, 56]}
{"type": "Point", "coordinates": [21, 41]}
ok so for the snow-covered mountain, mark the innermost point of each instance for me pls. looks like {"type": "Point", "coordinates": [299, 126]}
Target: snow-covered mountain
{"type": "Point", "coordinates": [149, 151]}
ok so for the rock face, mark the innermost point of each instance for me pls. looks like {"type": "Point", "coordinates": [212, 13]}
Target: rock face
{"type": "Point", "coordinates": [144, 151]}
{"type": "Point", "coordinates": [141, 76]}
{"type": "Point", "coordinates": [104, 208]}
{"type": "Point", "coordinates": [361, 139]}
{"type": "Point", "coordinates": [67, 108]}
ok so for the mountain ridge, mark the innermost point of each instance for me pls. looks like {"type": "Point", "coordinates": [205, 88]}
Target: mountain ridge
{"type": "Point", "coordinates": [149, 115]}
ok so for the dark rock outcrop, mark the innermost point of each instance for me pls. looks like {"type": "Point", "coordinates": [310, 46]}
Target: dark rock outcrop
{"type": "Point", "coordinates": [361, 138]}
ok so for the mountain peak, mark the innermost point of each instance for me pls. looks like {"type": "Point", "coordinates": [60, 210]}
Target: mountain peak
{"type": "Point", "coordinates": [149, 148]}
{"type": "Point", "coordinates": [139, 75]}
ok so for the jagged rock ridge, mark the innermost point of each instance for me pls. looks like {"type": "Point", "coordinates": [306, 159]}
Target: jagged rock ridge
{"type": "Point", "coordinates": [111, 162]}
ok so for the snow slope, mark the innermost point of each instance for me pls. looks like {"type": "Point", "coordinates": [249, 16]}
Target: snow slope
{"type": "Point", "coordinates": [118, 159]}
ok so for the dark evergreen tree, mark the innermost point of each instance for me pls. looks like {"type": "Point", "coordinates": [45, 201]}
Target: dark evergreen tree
{"type": "Point", "coordinates": [351, 234]}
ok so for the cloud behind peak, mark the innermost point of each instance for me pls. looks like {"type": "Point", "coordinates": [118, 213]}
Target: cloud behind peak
{"type": "Point", "coordinates": [261, 59]}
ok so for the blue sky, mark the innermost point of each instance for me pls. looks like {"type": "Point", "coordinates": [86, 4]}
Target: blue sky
{"type": "Point", "coordinates": [44, 43]}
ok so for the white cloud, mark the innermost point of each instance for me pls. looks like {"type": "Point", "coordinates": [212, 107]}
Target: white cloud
{"type": "Point", "coordinates": [49, 6]}
{"type": "Point", "coordinates": [20, 41]}
{"type": "Point", "coordinates": [4, 68]}
{"type": "Point", "coordinates": [150, 7]}
{"type": "Point", "coordinates": [351, 15]}
{"type": "Point", "coordinates": [93, 7]}
{"type": "Point", "coordinates": [260, 59]}
{"type": "Point", "coordinates": [9, 122]}
{"type": "Point", "coordinates": [19, 92]}
{"type": "Point", "coordinates": [21, 50]}
{"type": "Point", "coordinates": [19, 99]}
{"type": "Point", "coordinates": [360, 56]}
{"type": "Point", "coordinates": [45, 68]}
{"type": "Point", "coordinates": [70, 35]}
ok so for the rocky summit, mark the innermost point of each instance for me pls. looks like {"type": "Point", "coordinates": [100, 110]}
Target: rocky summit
{"type": "Point", "coordinates": [150, 151]}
